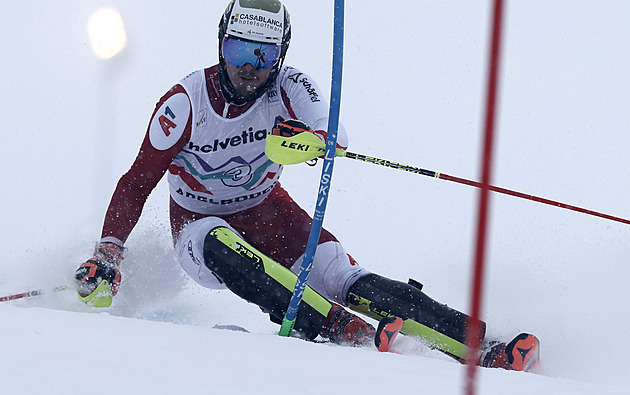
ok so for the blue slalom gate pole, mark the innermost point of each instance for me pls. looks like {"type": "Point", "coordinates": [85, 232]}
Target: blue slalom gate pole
{"type": "Point", "coordinates": [324, 184]}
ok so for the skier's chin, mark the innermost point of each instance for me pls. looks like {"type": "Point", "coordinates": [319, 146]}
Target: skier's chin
{"type": "Point", "coordinates": [245, 91]}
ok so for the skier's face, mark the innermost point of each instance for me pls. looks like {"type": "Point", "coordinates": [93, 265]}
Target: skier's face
{"type": "Point", "coordinates": [246, 79]}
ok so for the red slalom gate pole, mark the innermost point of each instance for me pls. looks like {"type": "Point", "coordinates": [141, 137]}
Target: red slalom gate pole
{"type": "Point", "coordinates": [474, 330]}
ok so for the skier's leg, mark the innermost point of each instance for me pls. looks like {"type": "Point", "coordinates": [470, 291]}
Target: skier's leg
{"type": "Point", "coordinates": [259, 280]}
{"type": "Point", "coordinates": [213, 253]}
{"type": "Point", "coordinates": [437, 324]}
{"type": "Point", "coordinates": [333, 271]}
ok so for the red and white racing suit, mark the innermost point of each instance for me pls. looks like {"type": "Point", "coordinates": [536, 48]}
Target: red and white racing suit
{"type": "Point", "coordinates": [218, 173]}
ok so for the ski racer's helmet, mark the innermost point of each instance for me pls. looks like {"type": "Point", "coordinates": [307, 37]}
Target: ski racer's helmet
{"type": "Point", "coordinates": [262, 25]}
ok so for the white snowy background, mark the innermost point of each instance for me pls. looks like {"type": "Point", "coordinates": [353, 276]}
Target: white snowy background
{"type": "Point", "coordinates": [413, 92]}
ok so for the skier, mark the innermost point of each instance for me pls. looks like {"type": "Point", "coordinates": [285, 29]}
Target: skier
{"type": "Point", "coordinates": [233, 224]}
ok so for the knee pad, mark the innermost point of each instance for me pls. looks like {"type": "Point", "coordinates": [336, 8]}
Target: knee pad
{"type": "Point", "coordinates": [333, 272]}
{"type": "Point", "coordinates": [189, 251]}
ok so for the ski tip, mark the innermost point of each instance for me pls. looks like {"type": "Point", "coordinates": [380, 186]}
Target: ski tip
{"type": "Point", "coordinates": [524, 352]}
{"type": "Point", "coordinates": [388, 329]}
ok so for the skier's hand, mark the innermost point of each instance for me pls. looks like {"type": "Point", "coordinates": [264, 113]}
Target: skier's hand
{"type": "Point", "coordinates": [98, 278]}
{"type": "Point", "coordinates": [292, 127]}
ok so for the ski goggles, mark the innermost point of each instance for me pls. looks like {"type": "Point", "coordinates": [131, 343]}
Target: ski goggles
{"type": "Point", "coordinates": [240, 52]}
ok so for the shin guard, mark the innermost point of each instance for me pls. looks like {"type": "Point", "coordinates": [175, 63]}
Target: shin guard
{"type": "Point", "coordinates": [258, 279]}
{"type": "Point", "coordinates": [436, 324]}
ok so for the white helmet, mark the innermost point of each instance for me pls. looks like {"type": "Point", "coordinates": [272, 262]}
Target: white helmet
{"type": "Point", "coordinates": [259, 21]}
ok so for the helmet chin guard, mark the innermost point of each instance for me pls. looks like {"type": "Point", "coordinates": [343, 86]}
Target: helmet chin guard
{"type": "Point", "coordinates": [263, 21]}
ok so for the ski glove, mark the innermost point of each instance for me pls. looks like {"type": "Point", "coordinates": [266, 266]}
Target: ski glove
{"type": "Point", "coordinates": [292, 127]}
{"type": "Point", "coordinates": [98, 278]}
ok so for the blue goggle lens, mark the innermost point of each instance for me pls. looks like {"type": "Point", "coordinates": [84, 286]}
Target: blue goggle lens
{"type": "Point", "coordinates": [239, 52]}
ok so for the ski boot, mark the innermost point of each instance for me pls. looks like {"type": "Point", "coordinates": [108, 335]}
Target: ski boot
{"type": "Point", "coordinates": [343, 327]}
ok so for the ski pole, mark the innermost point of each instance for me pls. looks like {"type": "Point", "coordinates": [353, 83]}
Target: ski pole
{"type": "Point", "coordinates": [30, 294]}
{"type": "Point", "coordinates": [306, 146]}
{"type": "Point", "coordinates": [443, 176]}
{"type": "Point", "coordinates": [324, 185]}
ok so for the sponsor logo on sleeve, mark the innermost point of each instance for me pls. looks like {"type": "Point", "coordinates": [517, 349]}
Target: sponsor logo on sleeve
{"type": "Point", "coordinates": [310, 89]}
{"type": "Point", "coordinates": [169, 122]}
